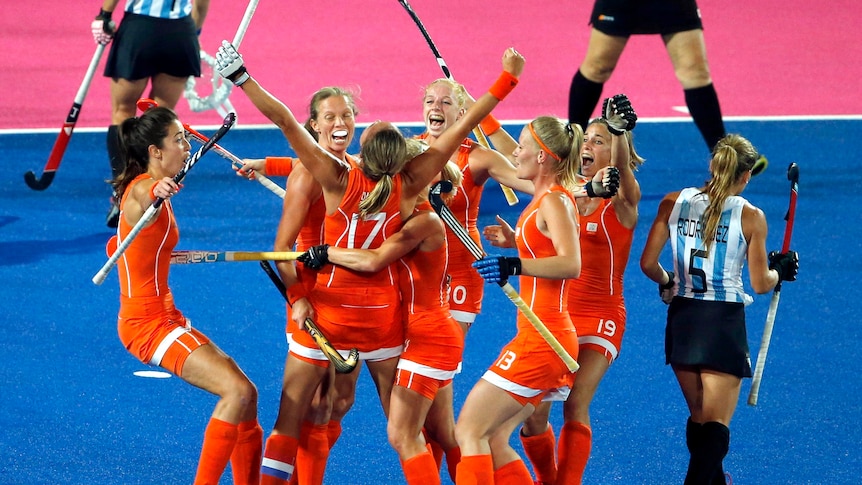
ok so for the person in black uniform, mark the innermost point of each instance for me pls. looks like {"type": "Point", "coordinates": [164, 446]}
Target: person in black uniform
{"type": "Point", "coordinates": [156, 44]}
{"type": "Point", "coordinates": [679, 24]}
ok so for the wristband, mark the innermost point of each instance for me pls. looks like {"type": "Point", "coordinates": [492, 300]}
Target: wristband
{"type": "Point", "coordinates": [242, 78]}
{"type": "Point", "coordinates": [489, 125]}
{"type": "Point", "coordinates": [103, 14]}
{"type": "Point", "coordinates": [588, 187]}
{"type": "Point", "coordinates": [503, 85]}
{"type": "Point", "coordinates": [279, 166]}
{"type": "Point", "coordinates": [294, 292]}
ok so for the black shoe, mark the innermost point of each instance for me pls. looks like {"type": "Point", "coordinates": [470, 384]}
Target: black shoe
{"type": "Point", "coordinates": [113, 217]}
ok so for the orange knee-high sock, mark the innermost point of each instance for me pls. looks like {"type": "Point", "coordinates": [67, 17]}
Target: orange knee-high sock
{"type": "Point", "coordinates": [279, 460]}
{"type": "Point", "coordinates": [540, 451]}
{"type": "Point", "coordinates": [219, 440]}
{"type": "Point", "coordinates": [435, 448]}
{"type": "Point", "coordinates": [246, 456]}
{"type": "Point", "coordinates": [476, 470]}
{"type": "Point", "coordinates": [576, 441]}
{"type": "Point", "coordinates": [421, 470]}
{"type": "Point", "coordinates": [312, 453]}
{"type": "Point", "coordinates": [512, 473]}
{"type": "Point", "coordinates": [453, 457]}
{"type": "Point", "coordinates": [333, 431]}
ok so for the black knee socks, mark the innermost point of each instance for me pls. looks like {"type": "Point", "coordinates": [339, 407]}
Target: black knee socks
{"type": "Point", "coordinates": [113, 143]}
{"type": "Point", "coordinates": [708, 444]}
{"type": "Point", "coordinates": [583, 97]}
{"type": "Point", "coordinates": [706, 112]}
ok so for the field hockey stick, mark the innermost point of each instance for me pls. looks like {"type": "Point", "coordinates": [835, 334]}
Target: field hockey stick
{"type": "Point", "coordinates": [442, 210]}
{"type": "Point", "coordinates": [221, 89]}
{"type": "Point", "coordinates": [100, 276]}
{"type": "Point", "coordinates": [65, 134]}
{"type": "Point", "coordinates": [793, 176]}
{"type": "Point", "coordinates": [192, 257]}
{"type": "Point", "coordinates": [511, 197]}
{"type": "Point", "coordinates": [342, 365]}
{"type": "Point", "coordinates": [266, 182]}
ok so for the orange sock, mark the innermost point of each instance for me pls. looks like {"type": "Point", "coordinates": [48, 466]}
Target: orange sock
{"type": "Point", "coordinates": [219, 440]}
{"type": "Point", "coordinates": [512, 473]}
{"type": "Point", "coordinates": [279, 459]}
{"type": "Point", "coordinates": [421, 470]}
{"type": "Point", "coordinates": [435, 448]}
{"type": "Point", "coordinates": [312, 453]}
{"type": "Point", "coordinates": [453, 457]}
{"type": "Point", "coordinates": [333, 431]}
{"type": "Point", "coordinates": [576, 441]}
{"type": "Point", "coordinates": [476, 470]}
{"type": "Point", "coordinates": [246, 456]}
{"type": "Point", "coordinates": [540, 451]}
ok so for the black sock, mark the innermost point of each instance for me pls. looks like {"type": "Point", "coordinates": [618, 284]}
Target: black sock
{"type": "Point", "coordinates": [113, 143]}
{"type": "Point", "coordinates": [706, 112]}
{"type": "Point", "coordinates": [583, 97]}
{"type": "Point", "coordinates": [692, 441]}
{"type": "Point", "coordinates": [706, 461]}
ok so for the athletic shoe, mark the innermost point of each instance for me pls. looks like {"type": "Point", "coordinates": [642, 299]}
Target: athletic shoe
{"type": "Point", "coordinates": [759, 165]}
{"type": "Point", "coordinates": [113, 217]}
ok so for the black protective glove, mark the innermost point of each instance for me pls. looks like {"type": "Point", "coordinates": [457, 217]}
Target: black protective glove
{"type": "Point", "coordinates": [786, 264]}
{"type": "Point", "coordinates": [608, 187]}
{"type": "Point", "coordinates": [619, 114]}
{"type": "Point", "coordinates": [316, 257]}
{"type": "Point", "coordinates": [665, 291]}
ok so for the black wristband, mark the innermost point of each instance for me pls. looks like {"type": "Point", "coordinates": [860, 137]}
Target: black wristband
{"type": "Point", "coordinates": [104, 14]}
{"type": "Point", "coordinates": [514, 265]}
{"type": "Point", "coordinates": [589, 189]}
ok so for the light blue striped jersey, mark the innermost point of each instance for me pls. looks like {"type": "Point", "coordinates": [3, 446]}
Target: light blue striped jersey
{"type": "Point", "coordinates": [163, 9]}
{"type": "Point", "coordinates": [716, 275]}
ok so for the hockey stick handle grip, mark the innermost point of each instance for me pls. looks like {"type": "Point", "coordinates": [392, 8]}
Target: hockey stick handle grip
{"type": "Point", "coordinates": [764, 348]}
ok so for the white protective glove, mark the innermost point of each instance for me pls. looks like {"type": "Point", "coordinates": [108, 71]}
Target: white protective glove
{"type": "Point", "coordinates": [229, 64]}
{"type": "Point", "coordinates": [103, 28]}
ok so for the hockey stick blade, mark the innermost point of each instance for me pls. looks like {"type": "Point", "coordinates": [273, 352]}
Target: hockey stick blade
{"type": "Point", "coordinates": [341, 365]}
{"type": "Point", "coordinates": [41, 183]}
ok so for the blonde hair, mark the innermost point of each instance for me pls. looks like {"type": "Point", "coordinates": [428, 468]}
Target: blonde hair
{"type": "Point", "coordinates": [564, 140]}
{"type": "Point", "coordinates": [732, 157]}
{"type": "Point", "coordinates": [458, 91]}
{"type": "Point", "coordinates": [383, 156]}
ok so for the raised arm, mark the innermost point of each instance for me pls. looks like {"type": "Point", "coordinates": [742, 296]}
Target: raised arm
{"type": "Point", "coordinates": [621, 119]}
{"type": "Point", "coordinates": [325, 168]}
{"type": "Point", "coordinates": [417, 176]}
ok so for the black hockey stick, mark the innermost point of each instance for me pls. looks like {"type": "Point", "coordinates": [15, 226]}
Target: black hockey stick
{"type": "Point", "coordinates": [65, 135]}
{"type": "Point", "coordinates": [511, 197]}
{"type": "Point", "coordinates": [342, 365]}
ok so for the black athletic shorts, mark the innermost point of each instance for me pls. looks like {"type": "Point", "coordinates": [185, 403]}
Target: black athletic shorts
{"type": "Point", "coordinates": [145, 46]}
{"type": "Point", "coordinates": [623, 18]}
{"type": "Point", "coordinates": [709, 334]}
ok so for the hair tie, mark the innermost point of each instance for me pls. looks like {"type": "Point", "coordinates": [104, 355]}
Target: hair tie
{"type": "Point", "coordinates": [542, 145]}
{"type": "Point", "coordinates": [569, 130]}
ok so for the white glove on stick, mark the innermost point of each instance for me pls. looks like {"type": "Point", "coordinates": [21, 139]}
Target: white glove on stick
{"type": "Point", "coordinates": [229, 64]}
{"type": "Point", "coordinates": [103, 28]}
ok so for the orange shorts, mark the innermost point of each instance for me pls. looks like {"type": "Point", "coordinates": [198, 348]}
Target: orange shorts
{"type": "Point", "coordinates": [465, 292]}
{"type": "Point", "coordinates": [426, 386]}
{"type": "Point", "coordinates": [529, 369]}
{"type": "Point", "coordinates": [368, 319]}
{"type": "Point", "coordinates": [601, 331]}
{"type": "Point", "coordinates": [434, 344]}
{"type": "Point", "coordinates": [155, 332]}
